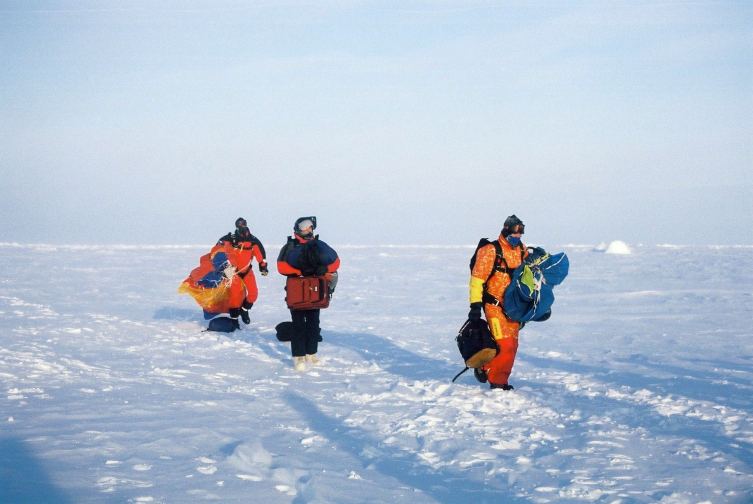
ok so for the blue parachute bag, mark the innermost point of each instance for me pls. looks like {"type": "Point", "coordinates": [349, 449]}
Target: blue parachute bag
{"type": "Point", "coordinates": [530, 295]}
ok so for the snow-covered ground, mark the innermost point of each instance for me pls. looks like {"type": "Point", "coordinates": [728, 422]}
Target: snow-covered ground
{"type": "Point", "coordinates": [638, 389]}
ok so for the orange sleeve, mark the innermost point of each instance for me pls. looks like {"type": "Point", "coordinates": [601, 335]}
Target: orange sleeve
{"type": "Point", "coordinates": [333, 267]}
{"type": "Point", "coordinates": [285, 269]}
{"type": "Point", "coordinates": [484, 262]}
{"type": "Point", "coordinates": [256, 252]}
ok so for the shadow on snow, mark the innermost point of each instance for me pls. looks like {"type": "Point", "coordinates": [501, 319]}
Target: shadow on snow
{"type": "Point", "coordinates": [644, 415]}
{"type": "Point", "coordinates": [443, 485]}
{"type": "Point", "coordinates": [23, 478]}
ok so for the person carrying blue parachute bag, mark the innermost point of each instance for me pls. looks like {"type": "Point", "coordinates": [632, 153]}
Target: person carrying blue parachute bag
{"type": "Point", "coordinates": [530, 295]}
{"type": "Point", "coordinates": [510, 285]}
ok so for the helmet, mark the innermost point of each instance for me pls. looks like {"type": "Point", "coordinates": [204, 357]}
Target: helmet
{"type": "Point", "coordinates": [303, 223]}
{"type": "Point", "coordinates": [513, 225]}
{"type": "Point", "coordinates": [242, 232]}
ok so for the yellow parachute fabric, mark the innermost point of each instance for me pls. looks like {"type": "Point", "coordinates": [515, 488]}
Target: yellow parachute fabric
{"type": "Point", "coordinates": [212, 300]}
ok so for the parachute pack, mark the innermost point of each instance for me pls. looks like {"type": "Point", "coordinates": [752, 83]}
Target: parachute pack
{"type": "Point", "coordinates": [530, 295]}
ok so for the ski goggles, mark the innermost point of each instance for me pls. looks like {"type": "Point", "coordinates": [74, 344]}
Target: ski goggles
{"type": "Point", "coordinates": [517, 228]}
{"type": "Point", "coordinates": [304, 223]}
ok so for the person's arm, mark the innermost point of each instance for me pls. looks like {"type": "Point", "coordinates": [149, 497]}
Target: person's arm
{"type": "Point", "coordinates": [262, 254]}
{"type": "Point", "coordinates": [481, 271]}
{"type": "Point", "coordinates": [282, 265]}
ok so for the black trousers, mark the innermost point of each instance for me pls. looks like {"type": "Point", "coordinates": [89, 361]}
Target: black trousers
{"type": "Point", "coordinates": [305, 338]}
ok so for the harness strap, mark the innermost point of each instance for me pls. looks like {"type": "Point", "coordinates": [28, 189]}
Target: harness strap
{"type": "Point", "coordinates": [499, 260]}
{"type": "Point", "coordinates": [458, 375]}
{"type": "Point", "coordinates": [489, 299]}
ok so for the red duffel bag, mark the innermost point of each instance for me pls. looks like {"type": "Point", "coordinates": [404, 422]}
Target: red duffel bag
{"type": "Point", "coordinates": [307, 293]}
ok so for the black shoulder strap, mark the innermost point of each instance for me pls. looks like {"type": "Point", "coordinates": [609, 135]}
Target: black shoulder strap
{"type": "Point", "coordinates": [458, 375]}
{"type": "Point", "coordinates": [499, 259]}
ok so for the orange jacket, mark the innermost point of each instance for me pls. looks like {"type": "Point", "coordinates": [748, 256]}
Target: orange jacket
{"type": "Point", "coordinates": [241, 253]}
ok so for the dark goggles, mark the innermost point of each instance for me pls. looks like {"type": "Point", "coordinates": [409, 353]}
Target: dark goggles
{"type": "Point", "coordinates": [517, 228]}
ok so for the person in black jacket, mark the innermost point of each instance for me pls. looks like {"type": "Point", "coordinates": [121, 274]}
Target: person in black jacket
{"type": "Point", "coordinates": [305, 255]}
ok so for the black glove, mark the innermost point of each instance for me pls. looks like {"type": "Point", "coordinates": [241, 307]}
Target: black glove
{"type": "Point", "coordinates": [263, 269]}
{"type": "Point", "coordinates": [320, 270]}
{"type": "Point", "coordinates": [475, 314]}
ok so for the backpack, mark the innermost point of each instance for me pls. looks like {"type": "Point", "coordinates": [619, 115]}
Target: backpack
{"type": "Point", "coordinates": [223, 324]}
{"type": "Point", "coordinates": [476, 345]}
{"type": "Point", "coordinates": [529, 295]}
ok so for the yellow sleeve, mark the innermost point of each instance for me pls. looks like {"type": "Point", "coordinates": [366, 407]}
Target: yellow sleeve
{"type": "Point", "coordinates": [481, 270]}
{"type": "Point", "coordinates": [476, 290]}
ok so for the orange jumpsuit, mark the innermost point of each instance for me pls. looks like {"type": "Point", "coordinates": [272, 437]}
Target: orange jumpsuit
{"type": "Point", "coordinates": [243, 285]}
{"type": "Point", "coordinates": [504, 330]}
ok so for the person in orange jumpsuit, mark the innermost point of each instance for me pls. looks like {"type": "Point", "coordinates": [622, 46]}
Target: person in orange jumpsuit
{"type": "Point", "coordinates": [491, 275]}
{"type": "Point", "coordinates": [242, 248]}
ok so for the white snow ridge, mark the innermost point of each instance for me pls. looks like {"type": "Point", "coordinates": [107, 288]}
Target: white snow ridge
{"type": "Point", "coordinates": [639, 389]}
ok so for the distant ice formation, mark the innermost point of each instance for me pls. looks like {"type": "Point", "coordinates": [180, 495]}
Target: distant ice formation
{"type": "Point", "coordinates": [618, 247]}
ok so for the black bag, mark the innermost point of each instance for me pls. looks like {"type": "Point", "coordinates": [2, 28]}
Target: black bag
{"type": "Point", "coordinates": [476, 345]}
{"type": "Point", "coordinates": [284, 331]}
{"type": "Point", "coordinates": [223, 324]}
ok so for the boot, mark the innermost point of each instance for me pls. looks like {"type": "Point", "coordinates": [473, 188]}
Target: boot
{"type": "Point", "coordinates": [503, 386]}
{"type": "Point", "coordinates": [245, 317]}
{"type": "Point", "coordinates": [312, 359]}
{"type": "Point", "coordinates": [234, 312]}
{"type": "Point", "coordinates": [480, 375]}
{"type": "Point", "coordinates": [299, 363]}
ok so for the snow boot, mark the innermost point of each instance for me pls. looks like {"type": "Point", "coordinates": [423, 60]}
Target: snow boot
{"type": "Point", "coordinates": [480, 375]}
{"type": "Point", "coordinates": [312, 359]}
{"type": "Point", "coordinates": [244, 312]}
{"type": "Point", "coordinates": [504, 386]}
{"type": "Point", "coordinates": [234, 312]}
{"type": "Point", "coordinates": [299, 363]}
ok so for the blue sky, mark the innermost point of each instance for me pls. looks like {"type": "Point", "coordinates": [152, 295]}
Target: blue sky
{"type": "Point", "coordinates": [393, 122]}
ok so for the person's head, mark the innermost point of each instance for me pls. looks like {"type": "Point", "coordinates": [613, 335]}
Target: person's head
{"type": "Point", "coordinates": [304, 227]}
{"type": "Point", "coordinates": [513, 229]}
{"type": "Point", "coordinates": [242, 233]}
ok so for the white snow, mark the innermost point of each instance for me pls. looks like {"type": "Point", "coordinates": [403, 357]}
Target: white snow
{"type": "Point", "coordinates": [638, 389]}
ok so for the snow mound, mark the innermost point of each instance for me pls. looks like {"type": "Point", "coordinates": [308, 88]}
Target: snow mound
{"type": "Point", "coordinates": [618, 247]}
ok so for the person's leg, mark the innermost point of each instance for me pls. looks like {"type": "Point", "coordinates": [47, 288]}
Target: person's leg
{"type": "Point", "coordinates": [505, 333]}
{"type": "Point", "coordinates": [312, 333]}
{"type": "Point", "coordinates": [252, 293]}
{"type": "Point", "coordinates": [235, 298]}
{"type": "Point", "coordinates": [498, 370]}
{"type": "Point", "coordinates": [298, 337]}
